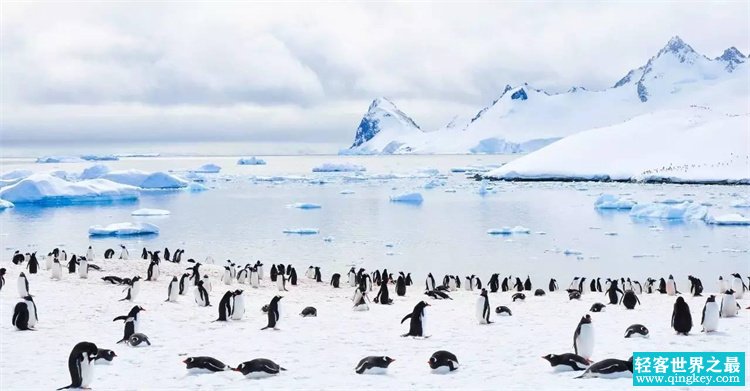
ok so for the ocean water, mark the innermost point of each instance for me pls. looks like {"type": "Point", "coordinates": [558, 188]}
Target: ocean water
{"type": "Point", "coordinates": [243, 215]}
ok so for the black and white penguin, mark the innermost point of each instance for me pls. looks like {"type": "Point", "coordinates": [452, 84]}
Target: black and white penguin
{"type": "Point", "coordinates": [83, 267]}
{"type": "Point", "coordinates": [443, 361]}
{"type": "Point", "coordinates": [226, 278]}
{"type": "Point", "coordinates": [205, 364]}
{"type": "Point", "coordinates": [81, 365]}
{"type": "Point", "coordinates": [281, 282]}
{"type": "Point", "coordinates": [553, 285]}
{"type": "Point", "coordinates": [503, 311]}
{"type": "Point", "coordinates": [418, 322]}
{"type": "Point", "coordinates": [729, 306]}
{"type": "Point", "coordinates": [133, 289]}
{"type": "Point", "coordinates": [599, 285]}
{"type": "Point", "coordinates": [131, 322]}
{"type": "Point", "coordinates": [493, 283]}
{"type": "Point", "coordinates": [255, 277]}
{"type": "Point", "coordinates": [18, 258]}
{"type": "Point", "coordinates": [274, 313]}
{"type": "Point", "coordinates": [318, 275]}
{"type": "Point", "coordinates": [597, 307]}
{"type": "Point", "coordinates": [567, 362]}
{"type": "Point", "coordinates": [185, 277]}
{"type": "Point", "coordinates": [259, 368]}
{"type": "Point", "coordinates": [574, 294]}
{"type": "Point", "coordinates": [153, 271]}
{"type": "Point", "coordinates": [137, 339]}
{"type": "Point", "coordinates": [72, 264]}
{"type": "Point", "coordinates": [382, 297]}
{"type": "Point", "coordinates": [518, 297]}
{"type": "Point", "coordinates": [114, 280]}
{"type": "Point", "coordinates": [144, 253]}
{"type": "Point", "coordinates": [438, 295]}
{"type": "Point", "coordinates": [629, 299]}
{"type": "Point", "coordinates": [292, 276]}
{"type": "Point", "coordinates": [90, 253]}
{"type": "Point", "coordinates": [201, 295]}
{"type": "Point", "coordinates": [609, 368]}
{"type": "Point", "coordinates": [612, 292]}
{"type": "Point", "coordinates": [592, 285]}
{"type": "Point", "coordinates": [310, 273]}
{"type": "Point", "coordinates": [671, 286]}
{"type": "Point", "coordinates": [335, 280]}
{"type": "Point", "coordinates": [452, 284]}
{"type": "Point", "coordinates": [539, 292]}
{"type": "Point", "coordinates": [636, 329]}
{"type": "Point", "coordinates": [408, 280]}
{"type": "Point", "coordinates": [23, 286]}
{"type": "Point", "coordinates": [372, 365]}
{"type": "Point", "coordinates": [166, 254]}
{"type": "Point", "coordinates": [124, 255]}
{"type": "Point", "coordinates": [401, 286]}
{"type": "Point", "coordinates": [33, 265]}
{"type": "Point", "coordinates": [504, 286]}
{"type": "Point", "coordinates": [711, 314]}
{"type": "Point", "coordinates": [225, 307]}
{"type": "Point", "coordinates": [662, 286]}
{"type": "Point", "coordinates": [2, 278]}
{"type": "Point", "coordinates": [352, 277]}
{"type": "Point", "coordinates": [483, 308]}
{"type": "Point", "coordinates": [238, 305]}
{"type": "Point", "coordinates": [527, 284]}
{"type": "Point", "coordinates": [109, 253]}
{"type": "Point", "coordinates": [21, 316]}
{"type": "Point", "coordinates": [360, 298]}
{"type": "Point", "coordinates": [173, 291]}
{"type": "Point", "coordinates": [56, 270]}
{"type": "Point", "coordinates": [582, 285]}
{"type": "Point", "coordinates": [309, 312]}
{"type": "Point", "coordinates": [429, 282]}
{"type": "Point", "coordinates": [637, 287]}
{"type": "Point", "coordinates": [518, 285]}
{"type": "Point", "coordinates": [696, 286]}
{"type": "Point", "coordinates": [682, 321]}
{"type": "Point", "coordinates": [274, 272]}
{"type": "Point", "coordinates": [195, 275]}
{"type": "Point", "coordinates": [723, 286]}
{"type": "Point", "coordinates": [738, 285]}
{"type": "Point", "coordinates": [104, 356]}
{"type": "Point", "coordinates": [583, 338]}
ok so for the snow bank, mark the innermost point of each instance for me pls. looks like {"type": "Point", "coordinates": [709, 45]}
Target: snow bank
{"type": "Point", "coordinates": [146, 180]}
{"type": "Point", "coordinates": [411, 198]}
{"type": "Point", "coordinates": [683, 211]}
{"type": "Point", "coordinates": [729, 219]}
{"type": "Point", "coordinates": [508, 230]}
{"type": "Point", "coordinates": [123, 229]}
{"type": "Point", "coordinates": [5, 204]}
{"type": "Point", "coordinates": [304, 205]}
{"type": "Point", "coordinates": [58, 159]}
{"type": "Point", "coordinates": [339, 167]}
{"type": "Point", "coordinates": [95, 171]}
{"type": "Point", "coordinates": [150, 212]}
{"type": "Point", "coordinates": [48, 189]}
{"type": "Point", "coordinates": [740, 203]}
{"type": "Point", "coordinates": [100, 157]}
{"type": "Point", "coordinates": [609, 201]}
{"type": "Point", "coordinates": [302, 231]}
{"type": "Point", "coordinates": [253, 161]}
{"type": "Point", "coordinates": [208, 168]}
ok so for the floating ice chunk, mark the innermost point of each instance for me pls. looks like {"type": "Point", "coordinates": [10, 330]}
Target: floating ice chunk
{"type": "Point", "coordinates": [683, 211]}
{"type": "Point", "coordinates": [609, 201]}
{"type": "Point", "coordinates": [15, 174]}
{"type": "Point", "coordinates": [673, 201]}
{"type": "Point", "coordinates": [729, 219]}
{"type": "Point", "coordinates": [194, 176]}
{"type": "Point", "coordinates": [469, 169]}
{"type": "Point", "coordinates": [196, 187]}
{"type": "Point", "coordinates": [302, 231]}
{"type": "Point", "coordinates": [208, 168]}
{"type": "Point", "coordinates": [508, 230]}
{"type": "Point", "coordinates": [540, 233]}
{"type": "Point", "coordinates": [346, 192]}
{"type": "Point", "coordinates": [99, 157]}
{"type": "Point", "coordinates": [304, 205]}
{"type": "Point", "coordinates": [411, 198]}
{"type": "Point", "coordinates": [572, 252]}
{"type": "Point", "coordinates": [123, 229]}
{"type": "Point", "coordinates": [51, 190]}
{"type": "Point", "coordinates": [339, 167]}
{"type": "Point", "coordinates": [146, 180]}
{"type": "Point", "coordinates": [95, 171]}
{"type": "Point", "coordinates": [58, 159]}
{"type": "Point", "coordinates": [433, 183]}
{"type": "Point", "coordinates": [5, 204]}
{"type": "Point", "coordinates": [740, 203]}
{"type": "Point", "coordinates": [150, 212]}
{"type": "Point", "coordinates": [253, 161]}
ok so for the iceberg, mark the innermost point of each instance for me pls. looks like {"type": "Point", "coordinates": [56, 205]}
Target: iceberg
{"type": "Point", "coordinates": [508, 230]}
{"type": "Point", "coordinates": [95, 171]}
{"type": "Point", "coordinates": [609, 201]}
{"type": "Point", "coordinates": [411, 198]}
{"type": "Point", "coordinates": [123, 229]}
{"type": "Point", "coordinates": [146, 180]}
{"type": "Point", "coordinates": [15, 174]}
{"type": "Point", "coordinates": [208, 168]}
{"type": "Point", "coordinates": [302, 231]}
{"type": "Point", "coordinates": [5, 204]}
{"type": "Point", "coordinates": [58, 159]}
{"type": "Point", "coordinates": [51, 190]}
{"type": "Point", "coordinates": [99, 157]}
{"type": "Point", "coordinates": [683, 211]}
{"type": "Point", "coordinates": [729, 219]}
{"type": "Point", "coordinates": [194, 176]}
{"type": "Point", "coordinates": [196, 187]}
{"type": "Point", "coordinates": [150, 212]}
{"type": "Point", "coordinates": [253, 161]}
{"type": "Point", "coordinates": [304, 205]}
{"type": "Point", "coordinates": [338, 167]}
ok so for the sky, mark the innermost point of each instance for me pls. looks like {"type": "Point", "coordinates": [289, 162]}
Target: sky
{"type": "Point", "coordinates": [305, 73]}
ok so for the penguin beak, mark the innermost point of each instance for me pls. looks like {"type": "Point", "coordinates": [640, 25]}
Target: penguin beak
{"type": "Point", "coordinates": [184, 361]}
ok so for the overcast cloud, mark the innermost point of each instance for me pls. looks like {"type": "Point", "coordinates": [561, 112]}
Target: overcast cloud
{"type": "Point", "coordinates": [306, 73]}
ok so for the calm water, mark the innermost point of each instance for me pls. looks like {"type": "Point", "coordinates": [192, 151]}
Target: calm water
{"type": "Point", "coordinates": [242, 219]}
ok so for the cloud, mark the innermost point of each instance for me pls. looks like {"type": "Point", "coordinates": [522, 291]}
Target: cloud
{"type": "Point", "coordinates": [265, 72]}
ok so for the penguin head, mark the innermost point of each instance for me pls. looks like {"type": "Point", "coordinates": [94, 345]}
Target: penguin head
{"type": "Point", "coordinates": [386, 360]}
{"type": "Point", "coordinates": [586, 319]}
{"type": "Point", "coordinates": [711, 298]}
{"type": "Point", "coordinates": [2, 271]}
{"type": "Point", "coordinates": [550, 358]}
{"type": "Point", "coordinates": [188, 360]}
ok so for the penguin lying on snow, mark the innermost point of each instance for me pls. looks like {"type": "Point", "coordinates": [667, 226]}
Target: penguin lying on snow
{"type": "Point", "coordinates": [373, 365]}
{"type": "Point", "coordinates": [438, 295]}
{"type": "Point", "coordinates": [259, 368]}
{"type": "Point", "coordinates": [519, 296]}
{"type": "Point", "coordinates": [443, 361]}
{"type": "Point", "coordinates": [597, 307]}
{"type": "Point", "coordinates": [636, 329]}
{"type": "Point", "coordinates": [609, 369]}
{"type": "Point", "coordinates": [137, 339]}
{"type": "Point", "coordinates": [205, 364]}
{"type": "Point", "coordinates": [309, 311]}
{"type": "Point", "coordinates": [105, 356]}
{"type": "Point", "coordinates": [567, 362]}
{"type": "Point", "coordinates": [503, 310]}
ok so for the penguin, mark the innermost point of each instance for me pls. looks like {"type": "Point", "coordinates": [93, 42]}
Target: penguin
{"type": "Point", "coordinates": [360, 299]}
{"type": "Point", "coordinates": [205, 364]}
{"type": "Point", "coordinates": [401, 286]}
{"type": "Point", "coordinates": [33, 265]}
{"type": "Point", "coordinates": [166, 254]}
{"type": "Point", "coordinates": [483, 308]}
{"type": "Point", "coordinates": [281, 282]}
{"type": "Point", "coordinates": [153, 271]}
{"type": "Point", "coordinates": [17, 258]}
{"type": "Point", "coordinates": [48, 260]}
{"type": "Point", "coordinates": [376, 277]}
{"type": "Point", "coordinates": [738, 285]}
{"type": "Point", "coordinates": [124, 255]}
{"type": "Point", "coordinates": [567, 362]}
{"type": "Point", "coordinates": [599, 285]}
{"type": "Point", "coordinates": [382, 297]}
{"type": "Point", "coordinates": [408, 279]}
{"type": "Point", "coordinates": [81, 365]}
{"type": "Point", "coordinates": [722, 285]}
{"type": "Point", "coordinates": [583, 338]}
{"type": "Point", "coordinates": [274, 273]}
{"type": "Point", "coordinates": [201, 296]}
{"type": "Point", "coordinates": [104, 356]}
{"type": "Point", "coordinates": [609, 368]}
{"type": "Point", "coordinates": [56, 273]}
{"type": "Point", "coordinates": [493, 283]}
{"type": "Point", "coordinates": [72, 264]}
{"type": "Point", "coordinates": [518, 285]}
{"type": "Point", "coordinates": [575, 283]}
{"type": "Point", "coordinates": [195, 275]}
{"type": "Point", "coordinates": [109, 253]}
{"type": "Point", "coordinates": [318, 276]}
{"type": "Point", "coordinates": [539, 292]}
{"type": "Point", "coordinates": [274, 313]}
{"type": "Point", "coordinates": [21, 316]}
{"type": "Point", "coordinates": [259, 368]}
{"type": "Point", "coordinates": [259, 267]}
{"type": "Point", "coordinates": [90, 253]}
{"type": "Point", "coordinates": [438, 295]}
{"type": "Point", "coordinates": [429, 282]}
{"type": "Point", "coordinates": [226, 278]}
{"type": "Point", "coordinates": [696, 286]}
{"type": "Point", "coordinates": [155, 257]}
{"type": "Point", "coordinates": [144, 254]}
{"type": "Point", "coordinates": [185, 277]}
{"type": "Point", "coordinates": [729, 305]}
{"type": "Point", "coordinates": [638, 288]}
{"type": "Point", "coordinates": [671, 286]}
{"type": "Point", "coordinates": [662, 286]}
{"type": "Point", "coordinates": [352, 277]}
{"type": "Point", "coordinates": [173, 291]}
{"type": "Point", "coordinates": [452, 284]}
{"type": "Point", "coordinates": [292, 276]}
{"type": "Point", "coordinates": [207, 283]}
{"type": "Point", "coordinates": [137, 339]}
{"type": "Point", "coordinates": [225, 307]}
{"type": "Point", "coordinates": [131, 322]}
{"type": "Point", "coordinates": [373, 365]}
{"type": "Point", "coordinates": [309, 311]}
{"type": "Point", "coordinates": [592, 285]}
{"type": "Point", "coordinates": [31, 307]}
{"type": "Point", "coordinates": [629, 299]}
{"type": "Point", "coordinates": [553, 286]}
{"type": "Point", "coordinates": [527, 284]}
{"type": "Point", "coordinates": [255, 277]}
{"type": "Point", "coordinates": [682, 321]}
{"type": "Point", "coordinates": [83, 267]}
{"type": "Point", "coordinates": [503, 311]}
{"type": "Point", "coordinates": [335, 280]}
{"type": "Point", "coordinates": [518, 296]}
{"type": "Point", "coordinates": [504, 286]}
{"type": "Point", "coordinates": [418, 322]}
{"type": "Point", "coordinates": [710, 317]}
{"type": "Point", "coordinates": [133, 289]}
{"type": "Point", "coordinates": [597, 307]}
{"type": "Point", "coordinates": [238, 308]}
{"type": "Point", "coordinates": [23, 286]}
{"type": "Point", "coordinates": [2, 278]}
{"type": "Point", "coordinates": [114, 280]}
{"type": "Point", "coordinates": [636, 329]}
{"type": "Point", "coordinates": [612, 293]}
{"type": "Point", "coordinates": [443, 361]}
{"type": "Point", "coordinates": [310, 273]}
{"type": "Point", "coordinates": [582, 284]}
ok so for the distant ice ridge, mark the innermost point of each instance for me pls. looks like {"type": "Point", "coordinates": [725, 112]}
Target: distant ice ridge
{"type": "Point", "coordinates": [208, 168]}
{"type": "Point", "coordinates": [729, 219]}
{"type": "Point", "coordinates": [339, 167]}
{"type": "Point", "coordinates": [100, 157]}
{"type": "Point", "coordinates": [609, 201]}
{"type": "Point", "coordinates": [508, 230]}
{"type": "Point", "coordinates": [683, 211]}
{"type": "Point", "coordinates": [5, 204]}
{"type": "Point", "coordinates": [95, 171]}
{"type": "Point", "coordinates": [58, 159]}
{"type": "Point", "coordinates": [253, 161]}
{"type": "Point", "coordinates": [410, 198]}
{"type": "Point", "coordinates": [146, 180]}
{"type": "Point", "coordinates": [51, 190]}
{"type": "Point", "coordinates": [304, 205]}
{"type": "Point", "coordinates": [124, 229]}
{"type": "Point", "coordinates": [302, 231]}
{"type": "Point", "coordinates": [150, 212]}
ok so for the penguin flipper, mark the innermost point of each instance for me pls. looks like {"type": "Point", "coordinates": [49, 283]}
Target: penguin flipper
{"type": "Point", "coordinates": [405, 318]}
{"type": "Point", "coordinates": [121, 317]}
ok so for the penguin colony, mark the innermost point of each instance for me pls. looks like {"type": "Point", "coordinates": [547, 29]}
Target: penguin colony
{"type": "Point", "coordinates": [621, 292]}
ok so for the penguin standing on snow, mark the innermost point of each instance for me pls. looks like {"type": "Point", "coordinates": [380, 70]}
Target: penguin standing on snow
{"type": "Point", "coordinates": [519, 285]}
{"type": "Point", "coordinates": [238, 307]}
{"type": "Point", "coordinates": [418, 323]}
{"type": "Point", "coordinates": [33, 264]}
{"type": "Point", "coordinates": [201, 295]}
{"type": "Point", "coordinates": [527, 284]}
{"type": "Point", "coordinates": [318, 276]}
{"type": "Point", "coordinates": [226, 278]}
{"type": "Point", "coordinates": [493, 283]}
{"type": "Point", "coordinates": [144, 253]}
{"type": "Point", "coordinates": [23, 286]}
{"type": "Point", "coordinates": [671, 286]}
{"type": "Point", "coordinates": [504, 286]}
{"type": "Point", "coordinates": [722, 285]}
{"type": "Point", "coordinates": [483, 308]}
{"type": "Point", "coordinates": [553, 286]}
{"type": "Point", "coordinates": [609, 368]}
{"type": "Point", "coordinates": [2, 278]}
{"type": "Point", "coordinates": [729, 305]}
{"type": "Point", "coordinates": [153, 271]}
{"type": "Point", "coordinates": [83, 267]}
{"type": "Point", "coordinates": [710, 317]}
{"type": "Point", "coordinates": [133, 289]}
{"type": "Point", "coordinates": [90, 253]}
{"type": "Point", "coordinates": [72, 264]}
{"type": "Point", "coordinates": [124, 255]}
{"type": "Point", "coordinates": [225, 306]}
{"type": "Point", "coordinates": [22, 315]}
{"type": "Point", "coordinates": [81, 365]}
{"type": "Point", "coordinates": [696, 286]}
{"type": "Point", "coordinates": [274, 273]}
{"type": "Point", "coordinates": [255, 277]}
{"type": "Point", "coordinates": [662, 286]}
{"type": "Point", "coordinates": [274, 313]}
{"type": "Point", "coordinates": [567, 361]}
{"type": "Point", "coordinates": [360, 298]}
{"type": "Point", "coordinates": [682, 321]}
{"type": "Point", "coordinates": [335, 280]}
{"type": "Point", "coordinates": [17, 258]}
{"type": "Point", "coordinates": [352, 276]}
{"type": "Point", "coordinates": [383, 297]}
{"type": "Point", "coordinates": [583, 338]}
{"type": "Point", "coordinates": [310, 273]}
{"type": "Point", "coordinates": [173, 291]}
{"type": "Point", "coordinates": [429, 282]}
{"type": "Point", "coordinates": [56, 270]}
{"type": "Point", "coordinates": [612, 293]}
{"type": "Point", "coordinates": [196, 274]}
{"type": "Point", "coordinates": [292, 276]}
{"type": "Point", "coordinates": [109, 253]}
{"type": "Point", "coordinates": [738, 285]}
{"type": "Point", "coordinates": [629, 299]}
{"type": "Point", "coordinates": [131, 322]}
{"type": "Point", "coordinates": [185, 277]}
{"type": "Point", "coordinates": [401, 286]}
{"type": "Point", "coordinates": [281, 282]}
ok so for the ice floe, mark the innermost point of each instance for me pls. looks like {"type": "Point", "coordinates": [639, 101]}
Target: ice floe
{"type": "Point", "coordinates": [150, 212]}
{"type": "Point", "coordinates": [95, 171]}
{"type": "Point", "coordinates": [411, 198]}
{"type": "Point", "coordinates": [208, 168]}
{"type": "Point", "coordinates": [683, 211]}
{"type": "Point", "coordinates": [729, 219]}
{"type": "Point", "coordinates": [99, 157]}
{"type": "Point", "coordinates": [508, 230]}
{"type": "Point", "coordinates": [339, 167]}
{"type": "Point", "coordinates": [253, 161]}
{"type": "Point", "coordinates": [58, 159]}
{"type": "Point", "coordinates": [124, 229]}
{"type": "Point", "coordinates": [609, 201]}
{"type": "Point", "coordinates": [146, 180]}
{"type": "Point", "coordinates": [304, 205]}
{"type": "Point", "coordinates": [49, 189]}
{"type": "Point", "coordinates": [302, 231]}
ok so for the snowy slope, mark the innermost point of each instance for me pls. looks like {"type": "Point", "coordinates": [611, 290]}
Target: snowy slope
{"type": "Point", "coordinates": [680, 145]}
{"type": "Point", "coordinates": [525, 118]}
{"type": "Point", "coordinates": [384, 129]}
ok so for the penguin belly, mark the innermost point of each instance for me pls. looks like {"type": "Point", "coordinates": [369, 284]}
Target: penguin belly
{"type": "Point", "coordinates": [585, 341]}
{"type": "Point", "coordinates": [711, 317]}
{"type": "Point", "coordinates": [738, 288]}
{"type": "Point", "coordinates": [671, 288]}
{"type": "Point", "coordinates": [239, 308]}
{"type": "Point", "coordinates": [480, 311]}
{"type": "Point", "coordinates": [728, 307]}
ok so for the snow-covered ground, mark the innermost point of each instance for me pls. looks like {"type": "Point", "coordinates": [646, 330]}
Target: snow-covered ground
{"type": "Point", "coordinates": [322, 352]}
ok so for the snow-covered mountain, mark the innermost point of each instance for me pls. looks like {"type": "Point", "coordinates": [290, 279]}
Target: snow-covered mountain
{"type": "Point", "coordinates": [524, 118]}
